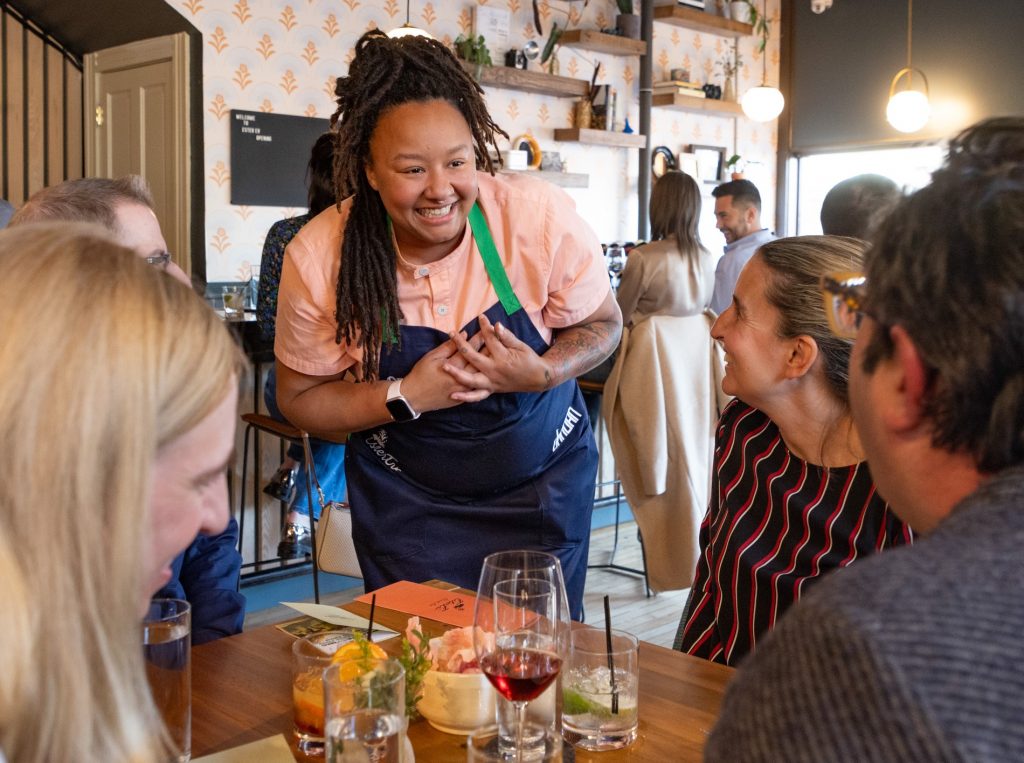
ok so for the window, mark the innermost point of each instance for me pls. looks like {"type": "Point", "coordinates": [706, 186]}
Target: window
{"type": "Point", "coordinates": [909, 168]}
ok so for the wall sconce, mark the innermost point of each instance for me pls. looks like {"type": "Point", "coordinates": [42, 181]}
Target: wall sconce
{"type": "Point", "coordinates": [908, 110]}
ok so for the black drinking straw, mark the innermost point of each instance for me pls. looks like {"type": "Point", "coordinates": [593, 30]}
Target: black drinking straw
{"type": "Point", "coordinates": [611, 660]}
{"type": "Point", "coordinates": [369, 625]}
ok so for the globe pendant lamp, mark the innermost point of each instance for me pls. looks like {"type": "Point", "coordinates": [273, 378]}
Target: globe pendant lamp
{"type": "Point", "coordinates": [908, 110]}
{"type": "Point", "coordinates": [763, 103]}
{"type": "Point", "coordinates": [407, 29]}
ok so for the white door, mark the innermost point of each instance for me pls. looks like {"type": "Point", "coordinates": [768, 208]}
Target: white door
{"type": "Point", "coordinates": [137, 118]}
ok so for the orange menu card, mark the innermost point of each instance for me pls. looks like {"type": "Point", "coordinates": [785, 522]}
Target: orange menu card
{"type": "Point", "coordinates": [449, 607]}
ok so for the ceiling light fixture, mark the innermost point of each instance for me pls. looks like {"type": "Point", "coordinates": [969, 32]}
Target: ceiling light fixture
{"type": "Point", "coordinates": [407, 29]}
{"type": "Point", "coordinates": [763, 103]}
{"type": "Point", "coordinates": [908, 110]}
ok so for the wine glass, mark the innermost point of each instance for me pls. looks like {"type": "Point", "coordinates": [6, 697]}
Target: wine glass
{"type": "Point", "coordinates": [522, 627]}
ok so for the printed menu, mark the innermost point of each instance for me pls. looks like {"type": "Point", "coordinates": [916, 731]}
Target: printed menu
{"type": "Point", "coordinates": [449, 607]}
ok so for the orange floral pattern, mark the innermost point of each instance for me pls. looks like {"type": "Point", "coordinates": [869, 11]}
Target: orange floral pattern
{"type": "Point", "coordinates": [285, 57]}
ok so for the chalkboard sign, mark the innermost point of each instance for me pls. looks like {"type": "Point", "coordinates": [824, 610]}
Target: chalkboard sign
{"type": "Point", "coordinates": [269, 154]}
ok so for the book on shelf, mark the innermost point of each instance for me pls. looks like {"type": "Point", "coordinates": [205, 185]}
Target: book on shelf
{"type": "Point", "coordinates": [674, 90]}
{"type": "Point", "coordinates": [678, 83]}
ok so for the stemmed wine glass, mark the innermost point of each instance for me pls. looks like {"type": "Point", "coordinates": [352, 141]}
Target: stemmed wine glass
{"type": "Point", "coordinates": [522, 627]}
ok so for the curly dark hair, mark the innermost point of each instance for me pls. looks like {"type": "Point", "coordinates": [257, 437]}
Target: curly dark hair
{"type": "Point", "coordinates": [948, 266]}
{"type": "Point", "coordinates": [386, 73]}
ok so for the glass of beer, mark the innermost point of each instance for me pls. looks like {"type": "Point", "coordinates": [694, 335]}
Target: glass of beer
{"type": "Point", "coordinates": [166, 645]}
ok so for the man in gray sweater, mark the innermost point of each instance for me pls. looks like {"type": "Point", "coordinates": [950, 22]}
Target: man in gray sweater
{"type": "Point", "coordinates": [917, 654]}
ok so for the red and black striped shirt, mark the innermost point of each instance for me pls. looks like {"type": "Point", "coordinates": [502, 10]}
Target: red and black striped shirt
{"type": "Point", "coordinates": [774, 525]}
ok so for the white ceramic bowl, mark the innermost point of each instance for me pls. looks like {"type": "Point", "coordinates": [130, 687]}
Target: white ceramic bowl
{"type": "Point", "coordinates": [457, 703]}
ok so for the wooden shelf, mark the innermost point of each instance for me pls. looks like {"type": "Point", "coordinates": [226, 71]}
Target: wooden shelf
{"type": "Point", "coordinates": [697, 105]}
{"type": "Point", "coordinates": [530, 82]}
{"type": "Point", "coordinates": [599, 42]}
{"type": "Point", "coordinates": [700, 21]}
{"type": "Point", "coordinates": [601, 137]}
{"type": "Point", "coordinates": [562, 179]}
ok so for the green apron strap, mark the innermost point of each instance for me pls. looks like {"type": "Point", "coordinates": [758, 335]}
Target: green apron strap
{"type": "Point", "coordinates": [492, 261]}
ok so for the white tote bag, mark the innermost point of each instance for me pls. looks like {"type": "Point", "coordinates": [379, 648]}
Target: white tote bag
{"type": "Point", "coordinates": [335, 552]}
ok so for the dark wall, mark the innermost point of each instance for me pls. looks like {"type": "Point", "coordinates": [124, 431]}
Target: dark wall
{"type": "Point", "coordinates": [972, 52]}
{"type": "Point", "coordinates": [86, 27]}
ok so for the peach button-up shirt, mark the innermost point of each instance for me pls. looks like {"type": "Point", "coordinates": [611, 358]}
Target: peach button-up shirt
{"type": "Point", "coordinates": [552, 257]}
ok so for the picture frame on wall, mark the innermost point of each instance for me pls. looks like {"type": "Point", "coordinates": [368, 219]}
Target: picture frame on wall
{"type": "Point", "coordinates": [710, 162]}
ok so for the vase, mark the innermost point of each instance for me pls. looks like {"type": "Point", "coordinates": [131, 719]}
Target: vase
{"type": "Point", "coordinates": [729, 91]}
{"type": "Point", "coordinates": [583, 114]}
{"type": "Point", "coordinates": [723, 9]}
{"type": "Point", "coordinates": [628, 25]}
{"type": "Point", "coordinates": [740, 11]}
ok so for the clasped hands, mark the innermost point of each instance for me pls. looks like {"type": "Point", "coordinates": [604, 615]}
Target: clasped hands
{"type": "Point", "coordinates": [468, 370]}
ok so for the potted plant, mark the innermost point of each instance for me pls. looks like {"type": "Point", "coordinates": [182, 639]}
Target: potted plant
{"type": "Point", "coordinates": [473, 50]}
{"type": "Point", "coordinates": [735, 164]}
{"type": "Point", "coordinates": [745, 11]}
{"type": "Point", "coordinates": [627, 23]}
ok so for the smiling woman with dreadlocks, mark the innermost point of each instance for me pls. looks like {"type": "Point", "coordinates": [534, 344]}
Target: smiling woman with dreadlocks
{"type": "Point", "coordinates": [440, 315]}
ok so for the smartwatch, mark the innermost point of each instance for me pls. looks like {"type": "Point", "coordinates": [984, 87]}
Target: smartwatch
{"type": "Point", "coordinates": [398, 406]}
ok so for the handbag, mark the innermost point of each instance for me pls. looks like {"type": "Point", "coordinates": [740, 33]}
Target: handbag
{"type": "Point", "coordinates": [335, 551]}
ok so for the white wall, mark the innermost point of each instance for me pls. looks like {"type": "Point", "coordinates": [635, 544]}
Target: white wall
{"type": "Point", "coordinates": [279, 57]}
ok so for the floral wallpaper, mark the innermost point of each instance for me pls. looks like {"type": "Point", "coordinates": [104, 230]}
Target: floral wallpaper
{"type": "Point", "coordinates": [283, 57]}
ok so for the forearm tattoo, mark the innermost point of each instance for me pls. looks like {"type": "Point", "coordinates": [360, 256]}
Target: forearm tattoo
{"type": "Point", "coordinates": [578, 349]}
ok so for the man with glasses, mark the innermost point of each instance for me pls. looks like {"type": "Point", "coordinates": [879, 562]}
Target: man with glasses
{"type": "Point", "coordinates": [124, 206]}
{"type": "Point", "coordinates": [916, 654]}
{"type": "Point", "coordinates": [207, 573]}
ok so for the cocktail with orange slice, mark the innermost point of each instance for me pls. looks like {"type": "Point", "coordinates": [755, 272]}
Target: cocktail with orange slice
{"type": "Point", "coordinates": [310, 657]}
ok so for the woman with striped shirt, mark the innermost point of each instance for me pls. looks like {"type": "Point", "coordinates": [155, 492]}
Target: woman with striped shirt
{"type": "Point", "coordinates": [791, 496]}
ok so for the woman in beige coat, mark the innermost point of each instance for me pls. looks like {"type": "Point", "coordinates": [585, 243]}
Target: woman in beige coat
{"type": "Point", "coordinates": [674, 274]}
{"type": "Point", "coordinates": [661, 400]}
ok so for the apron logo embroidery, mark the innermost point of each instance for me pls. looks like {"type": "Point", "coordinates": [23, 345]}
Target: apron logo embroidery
{"type": "Point", "coordinates": [377, 441]}
{"type": "Point", "coordinates": [571, 417]}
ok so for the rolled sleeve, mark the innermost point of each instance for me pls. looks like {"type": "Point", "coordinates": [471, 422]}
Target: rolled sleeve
{"type": "Point", "coordinates": [306, 327]}
{"type": "Point", "coordinates": [579, 282]}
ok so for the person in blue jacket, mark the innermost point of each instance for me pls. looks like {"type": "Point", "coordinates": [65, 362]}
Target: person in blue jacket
{"type": "Point", "coordinates": [207, 573]}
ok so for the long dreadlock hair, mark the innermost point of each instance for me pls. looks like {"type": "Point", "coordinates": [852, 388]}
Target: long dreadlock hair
{"type": "Point", "coordinates": [386, 73]}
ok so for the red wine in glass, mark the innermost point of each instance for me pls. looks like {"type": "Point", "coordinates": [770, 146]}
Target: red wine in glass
{"type": "Point", "coordinates": [521, 675]}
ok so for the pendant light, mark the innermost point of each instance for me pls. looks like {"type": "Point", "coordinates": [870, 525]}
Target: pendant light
{"type": "Point", "coordinates": [908, 110]}
{"type": "Point", "coordinates": [763, 103]}
{"type": "Point", "coordinates": [407, 28]}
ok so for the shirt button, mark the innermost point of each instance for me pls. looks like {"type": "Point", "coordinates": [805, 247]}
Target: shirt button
{"type": "Point", "coordinates": [442, 309]}
{"type": "Point", "coordinates": [423, 271]}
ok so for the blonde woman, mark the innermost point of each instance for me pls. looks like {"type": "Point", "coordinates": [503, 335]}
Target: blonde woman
{"type": "Point", "coordinates": [117, 414]}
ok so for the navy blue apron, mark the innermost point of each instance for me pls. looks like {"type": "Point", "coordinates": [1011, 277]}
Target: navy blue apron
{"type": "Point", "coordinates": [431, 498]}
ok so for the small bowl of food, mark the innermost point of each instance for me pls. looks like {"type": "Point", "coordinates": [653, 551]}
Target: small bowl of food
{"type": "Point", "coordinates": [456, 703]}
{"type": "Point", "coordinates": [456, 696]}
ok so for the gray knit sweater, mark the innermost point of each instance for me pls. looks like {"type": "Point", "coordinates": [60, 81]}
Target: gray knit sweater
{"type": "Point", "coordinates": [916, 654]}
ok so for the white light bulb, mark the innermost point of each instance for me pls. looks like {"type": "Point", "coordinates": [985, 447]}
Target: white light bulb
{"type": "Point", "coordinates": [762, 103]}
{"type": "Point", "coordinates": [908, 110]}
{"type": "Point", "coordinates": [409, 31]}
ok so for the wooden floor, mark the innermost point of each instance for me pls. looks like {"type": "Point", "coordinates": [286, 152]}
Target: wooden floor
{"type": "Point", "coordinates": [653, 619]}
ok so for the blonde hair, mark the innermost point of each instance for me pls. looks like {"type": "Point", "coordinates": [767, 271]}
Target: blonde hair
{"type": "Point", "coordinates": [104, 360]}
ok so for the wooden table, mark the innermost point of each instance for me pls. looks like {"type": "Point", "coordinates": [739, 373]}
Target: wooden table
{"type": "Point", "coordinates": [241, 692]}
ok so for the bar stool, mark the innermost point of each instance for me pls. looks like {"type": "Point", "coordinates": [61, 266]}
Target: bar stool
{"type": "Point", "coordinates": [288, 433]}
{"type": "Point", "coordinates": [596, 387]}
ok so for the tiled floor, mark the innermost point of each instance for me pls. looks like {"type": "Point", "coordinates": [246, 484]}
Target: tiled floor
{"type": "Point", "coordinates": [652, 619]}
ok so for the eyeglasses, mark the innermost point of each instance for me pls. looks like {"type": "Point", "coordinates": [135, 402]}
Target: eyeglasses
{"type": "Point", "coordinates": [160, 260]}
{"type": "Point", "coordinates": [844, 295]}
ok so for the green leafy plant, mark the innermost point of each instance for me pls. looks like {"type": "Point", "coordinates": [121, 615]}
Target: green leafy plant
{"type": "Point", "coordinates": [473, 49]}
{"type": "Point", "coordinates": [553, 38]}
{"type": "Point", "coordinates": [760, 24]}
{"type": "Point", "coordinates": [625, 6]}
{"type": "Point", "coordinates": [416, 661]}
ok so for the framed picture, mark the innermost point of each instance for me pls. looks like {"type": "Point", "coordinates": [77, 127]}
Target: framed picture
{"type": "Point", "coordinates": [710, 162]}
